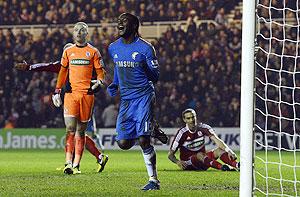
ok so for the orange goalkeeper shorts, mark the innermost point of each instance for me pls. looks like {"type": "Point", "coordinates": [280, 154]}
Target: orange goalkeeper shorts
{"type": "Point", "coordinates": [78, 105]}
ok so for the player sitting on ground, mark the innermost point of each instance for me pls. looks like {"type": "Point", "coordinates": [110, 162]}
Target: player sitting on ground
{"type": "Point", "coordinates": [191, 144]}
{"type": "Point", "coordinates": [89, 143]}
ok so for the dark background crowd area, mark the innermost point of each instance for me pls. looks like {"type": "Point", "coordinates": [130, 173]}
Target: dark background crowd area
{"type": "Point", "coordinates": [278, 70]}
{"type": "Point", "coordinates": [200, 66]}
{"type": "Point", "coordinates": [16, 12]}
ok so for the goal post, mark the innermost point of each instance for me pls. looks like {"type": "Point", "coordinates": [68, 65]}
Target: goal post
{"type": "Point", "coordinates": [247, 98]}
{"type": "Point", "coordinates": [270, 98]}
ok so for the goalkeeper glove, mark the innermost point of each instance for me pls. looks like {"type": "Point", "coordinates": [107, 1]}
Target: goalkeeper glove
{"type": "Point", "coordinates": [95, 86]}
{"type": "Point", "coordinates": [112, 89]}
{"type": "Point", "coordinates": [56, 98]}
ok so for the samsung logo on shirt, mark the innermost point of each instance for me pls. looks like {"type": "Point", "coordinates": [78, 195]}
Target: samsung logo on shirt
{"type": "Point", "coordinates": [80, 62]}
{"type": "Point", "coordinates": [127, 64]}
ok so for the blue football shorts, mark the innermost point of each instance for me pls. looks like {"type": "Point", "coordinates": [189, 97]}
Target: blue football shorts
{"type": "Point", "coordinates": [135, 117]}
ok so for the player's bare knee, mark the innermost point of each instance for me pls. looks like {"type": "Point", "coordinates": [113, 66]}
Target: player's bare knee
{"type": "Point", "coordinates": [125, 144]}
{"type": "Point", "coordinates": [200, 156]}
{"type": "Point", "coordinates": [80, 133]}
{"type": "Point", "coordinates": [70, 128]}
{"type": "Point", "coordinates": [218, 152]}
{"type": "Point", "coordinates": [81, 126]}
{"type": "Point", "coordinates": [70, 124]}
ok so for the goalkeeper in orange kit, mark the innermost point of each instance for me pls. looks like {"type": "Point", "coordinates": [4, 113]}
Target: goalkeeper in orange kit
{"type": "Point", "coordinates": [78, 63]}
{"type": "Point", "coordinates": [90, 145]}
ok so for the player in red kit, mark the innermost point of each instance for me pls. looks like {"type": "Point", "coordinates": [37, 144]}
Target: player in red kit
{"type": "Point", "coordinates": [190, 141]}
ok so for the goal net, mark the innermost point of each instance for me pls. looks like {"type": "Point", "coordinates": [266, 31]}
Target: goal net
{"type": "Point", "coordinates": [277, 98]}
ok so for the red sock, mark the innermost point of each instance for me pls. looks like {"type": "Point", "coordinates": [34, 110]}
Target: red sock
{"type": "Point", "coordinates": [69, 146]}
{"type": "Point", "coordinates": [212, 163]}
{"type": "Point", "coordinates": [91, 147]}
{"type": "Point", "coordinates": [226, 159]}
{"type": "Point", "coordinates": [79, 147]}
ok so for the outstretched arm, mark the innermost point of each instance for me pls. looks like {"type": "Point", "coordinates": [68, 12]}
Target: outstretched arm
{"type": "Point", "coordinates": [221, 144]}
{"type": "Point", "coordinates": [53, 67]}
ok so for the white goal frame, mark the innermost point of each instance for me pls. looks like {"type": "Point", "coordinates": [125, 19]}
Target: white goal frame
{"type": "Point", "coordinates": [247, 99]}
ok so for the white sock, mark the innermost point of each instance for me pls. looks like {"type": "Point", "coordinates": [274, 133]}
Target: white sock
{"type": "Point", "coordinates": [101, 158]}
{"type": "Point", "coordinates": [75, 165]}
{"type": "Point", "coordinates": [154, 179]}
{"type": "Point", "coordinates": [189, 162]}
{"type": "Point", "coordinates": [150, 162]}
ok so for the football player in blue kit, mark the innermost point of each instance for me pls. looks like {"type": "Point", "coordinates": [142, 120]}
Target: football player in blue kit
{"type": "Point", "coordinates": [135, 71]}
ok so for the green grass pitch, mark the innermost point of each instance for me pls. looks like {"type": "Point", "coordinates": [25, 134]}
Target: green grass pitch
{"type": "Point", "coordinates": [33, 173]}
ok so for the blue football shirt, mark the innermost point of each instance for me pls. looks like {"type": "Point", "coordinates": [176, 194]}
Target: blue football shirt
{"type": "Point", "coordinates": [135, 67]}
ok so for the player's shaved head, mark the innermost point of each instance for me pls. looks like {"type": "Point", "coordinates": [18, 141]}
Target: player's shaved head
{"type": "Point", "coordinates": [80, 33]}
{"type": "Point", "coordinates": [81, 25]}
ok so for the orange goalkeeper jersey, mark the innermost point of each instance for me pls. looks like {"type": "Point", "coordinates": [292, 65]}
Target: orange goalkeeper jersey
{"type": "Point", "coordinates": [79, 63]}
